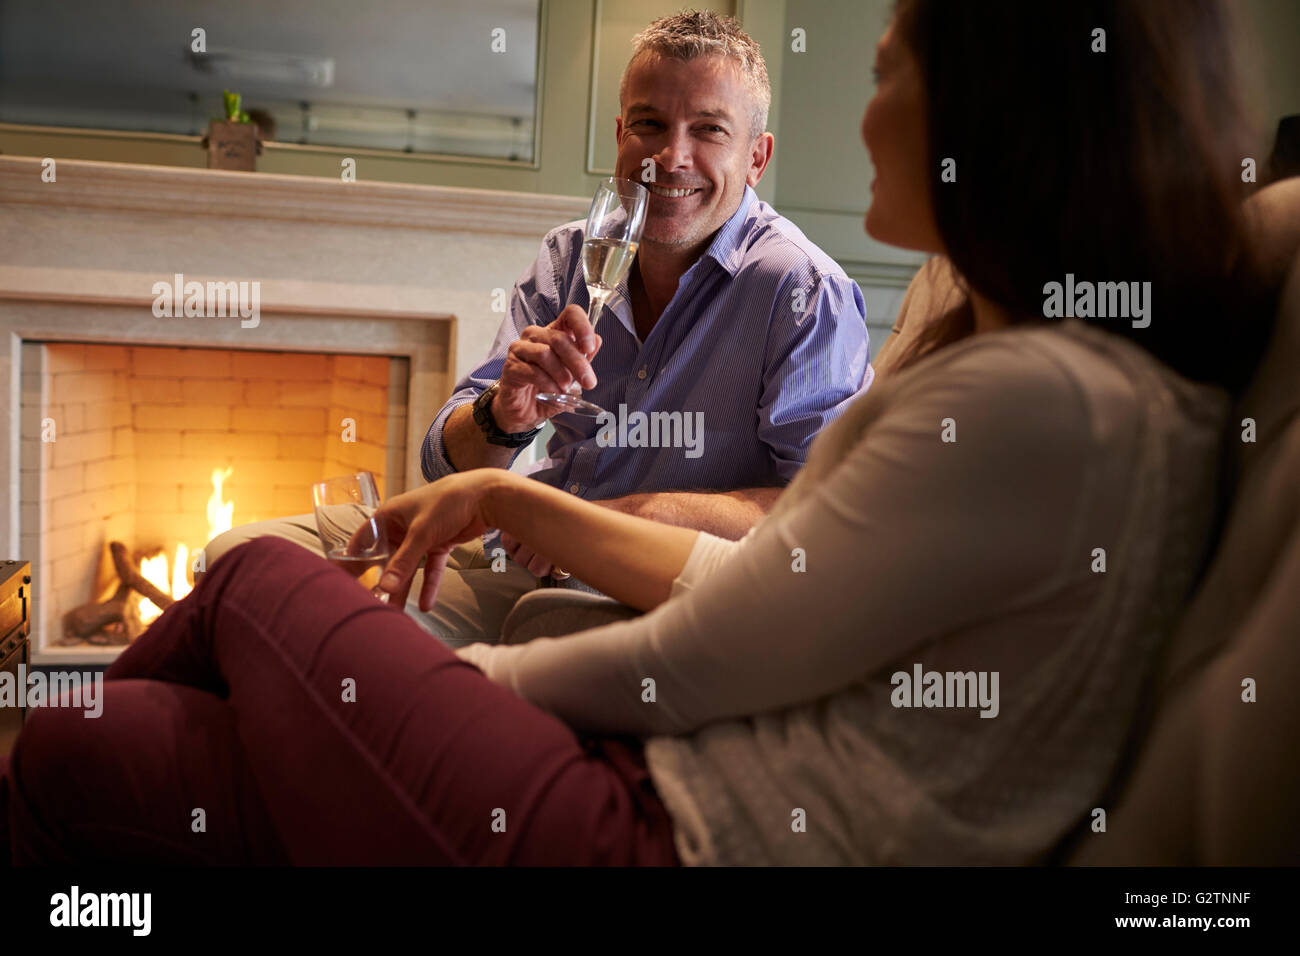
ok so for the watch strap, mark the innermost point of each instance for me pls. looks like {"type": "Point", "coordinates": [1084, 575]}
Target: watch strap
{"type": "Point", "coordinates": [488, 425]}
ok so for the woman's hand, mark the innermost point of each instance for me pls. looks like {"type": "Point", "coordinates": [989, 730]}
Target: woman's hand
{"type": "Point", "coordinates": [631, 559]}
{"type": "Point", "coordinates": [428, 522]}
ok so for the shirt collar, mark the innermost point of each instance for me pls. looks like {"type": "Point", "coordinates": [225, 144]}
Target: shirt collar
{"type": "Point", "coordinates": [725, 248]}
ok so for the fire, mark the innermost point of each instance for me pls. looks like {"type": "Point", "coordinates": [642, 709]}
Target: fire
{"type": "Point", "coordinates": [220, 512]}
{"type": "Point", "coordinates": [155, 571]}
{"type": "Point", "coordinates": [154, 568]}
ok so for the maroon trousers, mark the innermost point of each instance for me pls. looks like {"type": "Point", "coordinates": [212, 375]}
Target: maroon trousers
{"type": "Point", "coordinates": [280, 714]}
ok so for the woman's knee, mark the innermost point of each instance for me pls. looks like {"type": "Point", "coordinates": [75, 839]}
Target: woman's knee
{"type": "Point", "coordinates": [82, 785]}
{"type": "Point", "coordinates": [50, 754]}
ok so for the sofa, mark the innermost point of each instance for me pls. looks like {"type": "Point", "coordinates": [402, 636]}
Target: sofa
{"type": "Point", "coordinates": [1206, 777]}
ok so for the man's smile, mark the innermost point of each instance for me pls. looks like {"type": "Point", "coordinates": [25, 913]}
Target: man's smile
{"type": "Point", "coordinates": [673, 193]}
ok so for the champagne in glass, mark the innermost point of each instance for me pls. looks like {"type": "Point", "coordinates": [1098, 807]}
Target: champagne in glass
{"type": "Point", "coordinates": [614, 227]}
{"type": "Point", "coordinates": [366, 569]}
{"type": "Point", "coordinates": [604, 263]}
{"type": "Point", "coordinates": [353, 540]}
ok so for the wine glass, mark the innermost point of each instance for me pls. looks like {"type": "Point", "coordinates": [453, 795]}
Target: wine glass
{"type": "Point", "coordinates": [614, 227]}
{"type": "Point", "coordinates": [353, 539]}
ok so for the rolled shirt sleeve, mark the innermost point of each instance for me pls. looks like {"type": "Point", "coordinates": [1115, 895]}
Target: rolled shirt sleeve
{"type": "Point", "coordinates": [808, 350]}
{"type": "Point", "coordinates": [534, 301]}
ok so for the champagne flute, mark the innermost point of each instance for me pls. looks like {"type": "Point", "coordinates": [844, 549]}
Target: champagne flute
{"type": "Point", "coordinates": [353, 539]}
{"type": "Point", "coordinates": [609, 245]}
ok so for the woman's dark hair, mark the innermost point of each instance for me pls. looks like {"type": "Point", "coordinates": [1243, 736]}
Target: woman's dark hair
{"type": "Point", "coordinates": [1115, 166]}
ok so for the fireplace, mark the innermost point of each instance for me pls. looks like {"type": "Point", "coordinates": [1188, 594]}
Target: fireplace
{"type": "Point", "coordinates": [162, 448]}
{"type": "Point", "coordinates": [373, 297]}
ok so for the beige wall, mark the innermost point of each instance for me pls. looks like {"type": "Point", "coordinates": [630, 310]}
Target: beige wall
{"type": "Point", "coordinates": [820, 172]}
{"type": "Point", "coordinates": [565, 64]}
{"type": "Point", "coordinates": [824, 183]}
{"type": "Point", "coordinates": [825, 171]}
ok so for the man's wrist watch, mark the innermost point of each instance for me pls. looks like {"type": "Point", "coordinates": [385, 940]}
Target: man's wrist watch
{"type": "Point", "coordinates": [487, 424]}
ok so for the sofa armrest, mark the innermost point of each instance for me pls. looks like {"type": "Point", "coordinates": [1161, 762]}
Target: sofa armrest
{"type": "Point", "coordinates": [551, 612]}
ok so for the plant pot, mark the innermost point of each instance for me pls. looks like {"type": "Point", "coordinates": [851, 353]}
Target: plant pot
{"type": "Point", "coordinates": [232, 145]}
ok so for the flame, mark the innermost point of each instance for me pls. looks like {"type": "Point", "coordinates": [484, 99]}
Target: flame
{"type": "Point", "coordinates": [220, 512]}
{"type": "Point", "coordinates": [154, 568]}
{"type": "Point", "coordinates": [180, 576]}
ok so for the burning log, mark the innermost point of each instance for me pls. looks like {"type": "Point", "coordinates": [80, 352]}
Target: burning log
{"type": "Point", "coordinates": [134, 579]}
{"type": "Point", "coordinates": [113, 621]}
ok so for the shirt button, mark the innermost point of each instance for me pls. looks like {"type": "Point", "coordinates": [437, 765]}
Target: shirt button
{"type": "Point", "coordinates": [641, 374]}
{"type": "Point", "coordinates": [574, 488]}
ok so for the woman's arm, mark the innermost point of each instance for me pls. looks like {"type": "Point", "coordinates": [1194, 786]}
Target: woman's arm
{"type": "Point", "coordinates": [631, 559]}
{"type": "Point", "coordinates": [905, 539]}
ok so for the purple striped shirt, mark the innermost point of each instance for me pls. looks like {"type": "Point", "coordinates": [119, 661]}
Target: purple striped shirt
{"type": "Point", "coordinates": [763, 344]}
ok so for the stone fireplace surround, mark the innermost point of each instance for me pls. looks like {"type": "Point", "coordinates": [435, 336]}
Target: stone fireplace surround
{"type": "Point", "coordinates": [359, 268]}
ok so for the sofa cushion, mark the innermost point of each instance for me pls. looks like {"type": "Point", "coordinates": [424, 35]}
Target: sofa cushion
{"type": "Point", "coordinates": [1216, 780]}
{"type": "Point", "coordinates": [556, 611]}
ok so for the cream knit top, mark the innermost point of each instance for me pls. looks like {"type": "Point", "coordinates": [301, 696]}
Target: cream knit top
{"type": "Point", "coordinates": [1033, 502]}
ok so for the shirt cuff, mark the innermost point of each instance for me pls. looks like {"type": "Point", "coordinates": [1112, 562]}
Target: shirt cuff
{"type": "Point", "coordinates": [434, 462]}
{"type": "Point", "coordinates": [709, 553]}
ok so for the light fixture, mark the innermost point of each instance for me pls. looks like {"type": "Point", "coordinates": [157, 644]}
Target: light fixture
{"type": "Point", "coordinates": [246, 65]}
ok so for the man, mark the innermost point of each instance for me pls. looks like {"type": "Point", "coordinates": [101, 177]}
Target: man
{"type": "Point", "coordinates": [729, 316]}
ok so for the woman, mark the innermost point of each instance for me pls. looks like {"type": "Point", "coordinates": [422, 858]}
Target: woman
{"type": "Point", "coordinates": [1028, 501]}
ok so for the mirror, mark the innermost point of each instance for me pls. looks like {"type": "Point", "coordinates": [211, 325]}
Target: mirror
{"type": "Point", "coordinates": [454, 77]}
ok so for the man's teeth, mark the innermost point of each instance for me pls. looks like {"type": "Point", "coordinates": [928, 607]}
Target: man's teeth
{"type": "Point", "coordinates": [661, 191]}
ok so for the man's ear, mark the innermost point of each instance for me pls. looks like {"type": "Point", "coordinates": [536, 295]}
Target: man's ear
{"type": "Point", "coordinates": [759, 157]}
{"type": "Point", "coordinates": [618, 143]}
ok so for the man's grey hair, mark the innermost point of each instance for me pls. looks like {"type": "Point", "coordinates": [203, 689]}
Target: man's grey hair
{"type": "Point", "coordinates": [695, 33]}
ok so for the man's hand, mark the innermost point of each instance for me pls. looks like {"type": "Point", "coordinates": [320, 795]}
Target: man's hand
{"type": "Point", "coordinates": [545, 358]}
{"type": "Point", "coordinates": [521, 554]}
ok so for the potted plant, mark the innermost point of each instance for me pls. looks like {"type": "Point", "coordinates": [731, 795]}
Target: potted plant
{"type": "Point", "coordinates": [232, 143]}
